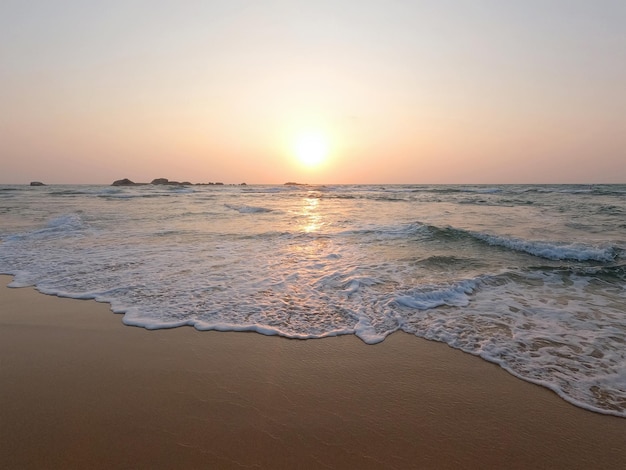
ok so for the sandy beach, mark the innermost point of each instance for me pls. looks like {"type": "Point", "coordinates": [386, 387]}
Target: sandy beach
{"type": "Point", "coordinates": [78, 389]}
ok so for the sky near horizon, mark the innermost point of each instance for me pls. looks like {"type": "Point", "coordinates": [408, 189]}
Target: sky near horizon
{"type": "Point", "coordinates": [384, 91]}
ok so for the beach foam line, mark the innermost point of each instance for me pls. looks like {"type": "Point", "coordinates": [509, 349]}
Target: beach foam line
{"type": "Point", "coordinates": [71, 373]}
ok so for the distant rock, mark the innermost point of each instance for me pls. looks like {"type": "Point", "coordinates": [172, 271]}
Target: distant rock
{"type": "Point", "coordinates": [171, 183]}
{"type": "Point", "coordinates": [156, 181]}
{"type": "Point", "coordinates": [291, 183]}
{"type": "Point", "coordinates": [36, 183]}
{"type": "Point", "coordinates": [123, 182]}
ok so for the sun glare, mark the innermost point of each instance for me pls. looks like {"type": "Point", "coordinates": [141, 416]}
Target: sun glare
{"type": "Point", "coordinates": [311, 148]}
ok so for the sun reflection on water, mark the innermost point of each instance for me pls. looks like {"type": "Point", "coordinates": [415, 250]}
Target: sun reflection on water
{"type": "Point", "coordinates": [312, 219]}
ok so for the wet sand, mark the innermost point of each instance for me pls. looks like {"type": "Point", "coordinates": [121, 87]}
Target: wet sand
{"type": "Point", "coordinates": [80, 390]}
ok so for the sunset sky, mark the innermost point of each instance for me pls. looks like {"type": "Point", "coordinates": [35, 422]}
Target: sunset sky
{"type": "Point", "coordinates": [366, 92]}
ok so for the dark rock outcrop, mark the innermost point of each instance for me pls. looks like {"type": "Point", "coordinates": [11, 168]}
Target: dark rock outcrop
{"type": "Point", "coordinates": [156, 181]}
{"type": "Point", "coordinates": [171, 183]}
{"type": "Point", "coordinates": [36, 183]}
{"type": "Point", "coordinates": [123, 182]}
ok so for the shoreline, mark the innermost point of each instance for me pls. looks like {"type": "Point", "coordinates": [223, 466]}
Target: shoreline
{"type": "Point", "coordinates": [81, 390]}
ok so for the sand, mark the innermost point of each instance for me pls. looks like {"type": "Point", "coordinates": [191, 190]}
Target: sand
{"type": "Point", "coordinates": [78, 389]}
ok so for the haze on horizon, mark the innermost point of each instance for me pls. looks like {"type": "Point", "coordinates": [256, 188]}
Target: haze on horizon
{"type": "Point", "coordinates": [390, 92]}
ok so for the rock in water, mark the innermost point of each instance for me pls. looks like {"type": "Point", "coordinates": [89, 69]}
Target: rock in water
{"type": "Point", "coordinates": [123, 182]}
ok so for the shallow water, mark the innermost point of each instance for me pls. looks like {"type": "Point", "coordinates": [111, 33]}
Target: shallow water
{"type": "Point", "coordinates": [530, 277]}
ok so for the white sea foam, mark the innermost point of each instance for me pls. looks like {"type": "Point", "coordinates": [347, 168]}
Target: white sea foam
{"type": "Point", "coordinates": [541, 327]}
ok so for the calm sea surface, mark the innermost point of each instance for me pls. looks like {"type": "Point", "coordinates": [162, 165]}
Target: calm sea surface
{"type": "Point", "coordinates": [532, 278]}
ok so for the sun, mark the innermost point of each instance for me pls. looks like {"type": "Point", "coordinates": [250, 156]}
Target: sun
{"type": "Point", "coordinates": [311, 147]}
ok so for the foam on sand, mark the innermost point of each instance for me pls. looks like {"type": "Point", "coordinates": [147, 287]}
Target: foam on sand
{"type": "Point", "coordinates": [71, 373]}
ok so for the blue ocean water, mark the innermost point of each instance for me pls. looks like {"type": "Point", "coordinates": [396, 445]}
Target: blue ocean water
{"type": "Point", "coordinates": [532, 278]}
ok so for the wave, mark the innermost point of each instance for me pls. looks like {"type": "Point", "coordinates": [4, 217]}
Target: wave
{"type": "Point", "coordinates": [390, 231]}
{"type": "Point", "coordinates": [595, 190]}
{"type": "Point", "coordinates": [68, 192]}
{"type": "Point", "coordinates": [458, 189]}
{"type": "Point", "coordinates": [58, 227]}
{"type": "Point", "coordinates": [72, 224]}
{"type": "Point", "coordinates": [614, 274]}
{"type": "Point", "coordinates": [248, 209]}
{"type": "Point", "coordinates": [115, 193]}
{"type": "Point", "coordinates": [132, 196]}
{"type": "Point", "coordinates": [550, 250]}
{"type": "Point", "coordinates": [611, 210]}
{"type": "Point", "coordinates": [427, 297]}
{"type": "Point", "coordinates": [450, 262]}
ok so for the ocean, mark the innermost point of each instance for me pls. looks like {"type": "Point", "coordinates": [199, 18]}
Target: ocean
{"type": "Point", "coordinates": [530, 277]}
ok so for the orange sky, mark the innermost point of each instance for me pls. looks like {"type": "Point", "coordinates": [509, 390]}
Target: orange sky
{"type": "Point", "coordinates": [403, 92]}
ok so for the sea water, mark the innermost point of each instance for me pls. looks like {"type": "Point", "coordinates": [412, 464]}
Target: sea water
{"type": "Point", "coordinates": [532, 278]}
